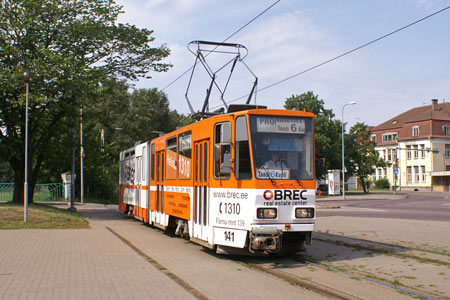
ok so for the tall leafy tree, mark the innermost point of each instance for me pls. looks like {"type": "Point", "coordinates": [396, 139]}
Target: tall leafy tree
{"type": "Point", "coordinates": [124, 118]}
{"type": "Point", "coordinates": [362, 156]}
{"type": "Point", "coordinates": [327, 130]}
{"type": "Point", "coordinates": [71, 46]}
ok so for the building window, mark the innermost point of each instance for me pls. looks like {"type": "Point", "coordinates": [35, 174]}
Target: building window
{"type": "Point", "coordinates": [389, 154]}
{"type": "Point", "coordinates": [409, 174]}
{"type": "Point", "coordinates": [424, 176]}
{"type": "Point", "coordinates": [416, 173]}
{"type": "Point", "coordinates": [423, 151]}
{"type": "Point", "coordinates": [446, 129]}
{"type": "Point", "coordinates": [373, 138]}
{"type": "Point", "coordinates": [447, 150]}
{"type": "Point", "coordinates": [416, 152]}
{"type": "Point", "coordinates": [415, 131]}
{"type": "Point", "coordinates": [408, 152]}
{"type": "Point", "coordinates": [389, 137]}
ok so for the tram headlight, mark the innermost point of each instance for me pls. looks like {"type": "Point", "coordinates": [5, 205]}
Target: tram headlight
{"type": "Point", "coordinates": [266, 213]}
{"type": "Point", "coordinates": [301, 213]}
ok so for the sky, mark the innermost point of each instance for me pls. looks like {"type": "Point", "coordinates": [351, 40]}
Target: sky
{"type": "Point", "coordinates": [395, 74]}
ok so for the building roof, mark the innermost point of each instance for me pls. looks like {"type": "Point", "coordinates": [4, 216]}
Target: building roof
{"type": "Point", "coordinates": [435, 111]}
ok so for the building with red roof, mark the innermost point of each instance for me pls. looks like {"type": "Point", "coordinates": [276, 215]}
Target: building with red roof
{"type": "Point", "coordinates": [416, 145]}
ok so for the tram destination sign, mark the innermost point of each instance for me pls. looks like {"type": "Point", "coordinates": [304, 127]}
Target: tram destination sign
{"type": "Point", "coordinates": [280, 124]}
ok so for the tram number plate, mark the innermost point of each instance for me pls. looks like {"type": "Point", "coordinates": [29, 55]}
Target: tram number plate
{"type": "Point", "coordinates": [230, 237]}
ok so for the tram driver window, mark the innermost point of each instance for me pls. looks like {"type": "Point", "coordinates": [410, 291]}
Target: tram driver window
{"type": "Point", "coordinates": [242, 167]}
{"type": "Point", "coordinates": [222, 150]}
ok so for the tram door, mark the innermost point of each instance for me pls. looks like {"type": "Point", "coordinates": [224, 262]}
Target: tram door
{"type": "Point", "coordinates": [200, 207]}
{"type": "Point", "coordinates": [159, 213]}
{"type": "Point", "coordinates": [144, 182]}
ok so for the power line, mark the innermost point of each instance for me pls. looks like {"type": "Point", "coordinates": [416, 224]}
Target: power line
{"type": "Point", "coordinates": [233, 34]}
{"type": "Point", "coordinates": [343, 54]}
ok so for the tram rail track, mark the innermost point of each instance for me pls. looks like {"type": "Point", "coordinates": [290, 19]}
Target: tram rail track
{"type": "Point", "coordinates": [329, 291]}
{"type": "Point", "coordinates": [313, 286]}
{"type": "Point", "coordinates": [327, 237]}
{"type": "Point", "coordinates": [391, 250]}
{"type": "Point", "coordinates": [317, 286]}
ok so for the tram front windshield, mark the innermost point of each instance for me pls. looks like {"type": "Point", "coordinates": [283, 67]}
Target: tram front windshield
{"type": "Point", "coordinates": [282, 147]}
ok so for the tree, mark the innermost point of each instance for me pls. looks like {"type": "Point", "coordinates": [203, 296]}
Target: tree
{"type": "Point", "coordinates": [125, 118]}
{"type": "Point", "coordinates": [72, 47]}
{"type": "Point", "coordinates": [362, 156]}
{"type": "Point", "coordinates": [6, 174]}
{"type": "Point", "coordinates": [327, 130]}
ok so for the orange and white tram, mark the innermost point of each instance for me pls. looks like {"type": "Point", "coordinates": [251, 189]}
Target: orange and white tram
{"type": "Point", "coordinates": [243, 181]}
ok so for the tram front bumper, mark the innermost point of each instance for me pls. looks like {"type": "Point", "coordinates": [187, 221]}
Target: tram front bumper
{"type": "Point", "coordinates": [278, 228]}
{"type": "Point", "coordinates": [267, 237]}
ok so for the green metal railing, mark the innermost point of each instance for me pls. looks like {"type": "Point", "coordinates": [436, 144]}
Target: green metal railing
{"type": "Point", "coordinates": [49, 192]}
{"type": "Point", "coordinates": [6, 191]}
{"type": "Point", "coordinates": [42, 192]}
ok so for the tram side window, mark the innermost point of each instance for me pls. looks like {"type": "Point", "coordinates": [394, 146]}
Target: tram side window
{"type": "Point", "coordinates": [185, 155]}
{"type": "Point", "coordinates": [138, 167]}
{"type": "Point", "coordinates": [121, 172]}
{"type": "Point", "coordinates": [222, 150]}
{"type": "Point", "coordinates": [144, 163]}
{"type": "Point", "coordinates": [243, 168]}
{"type": "Point", "coordinates": [171, 158]}
{"type": "Point", "coordinates": [153, 163]}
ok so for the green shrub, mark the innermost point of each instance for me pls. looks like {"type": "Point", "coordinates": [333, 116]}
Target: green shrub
{"type": "Point", "coordinates": [382, 183]}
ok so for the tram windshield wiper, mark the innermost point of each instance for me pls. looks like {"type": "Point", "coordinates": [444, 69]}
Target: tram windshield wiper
{"type": "Point", "coordinates": [268, 174]}
{"type": "Point", "coordinates": [258, 159]}
{"type": "Point", "coordinates": [284, 162]}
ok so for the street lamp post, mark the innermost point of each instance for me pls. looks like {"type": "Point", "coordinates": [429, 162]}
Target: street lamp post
{"type": "Point", "coordinates": [343, 162]}
{"type": "Point", "coordinates": [27, 76]}
{"type": "Point", "coordinates": [81, 158]}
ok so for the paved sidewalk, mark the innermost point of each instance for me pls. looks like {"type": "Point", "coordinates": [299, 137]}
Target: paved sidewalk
{"type": "Point", "coordinates": [79, 264]}
{"type": "Point", "coordinates": [95, 264]}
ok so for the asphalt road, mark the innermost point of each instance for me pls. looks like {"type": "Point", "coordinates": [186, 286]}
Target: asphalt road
{"type": "Point", "coordinates": [415, 206]}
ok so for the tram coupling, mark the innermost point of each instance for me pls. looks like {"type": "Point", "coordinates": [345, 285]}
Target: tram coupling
{"type": "Point", "coordinates": [265, 242]}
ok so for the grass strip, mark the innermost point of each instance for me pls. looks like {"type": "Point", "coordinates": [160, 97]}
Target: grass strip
{"type": "Point", "coordinates": [40, 216]}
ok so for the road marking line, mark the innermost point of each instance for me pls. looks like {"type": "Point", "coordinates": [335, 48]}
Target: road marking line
{"type": "Point", "coordinates": [364, 209]}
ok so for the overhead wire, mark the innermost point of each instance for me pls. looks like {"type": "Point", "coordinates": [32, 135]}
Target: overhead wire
{"type": "Point", "coordinates": [343, 54]}
{"type": "Point", "coordinates": [226, 39]}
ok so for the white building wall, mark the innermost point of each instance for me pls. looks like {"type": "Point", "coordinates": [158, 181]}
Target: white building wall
{"type": "Point", "coordinates": [414, 168]}
{"type": "Point", "coordinates": [415, 164]}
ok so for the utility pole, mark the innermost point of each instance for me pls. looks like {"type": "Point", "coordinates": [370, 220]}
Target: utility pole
{"type": "Point", "coordinates": [343, 159]}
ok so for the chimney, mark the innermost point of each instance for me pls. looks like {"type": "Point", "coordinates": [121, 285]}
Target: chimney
{"type": "Point", "coordinates": [434, 104]}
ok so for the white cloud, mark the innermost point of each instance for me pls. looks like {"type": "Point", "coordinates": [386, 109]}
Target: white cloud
{"type": "Point", "coordinates": [385, 79]}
